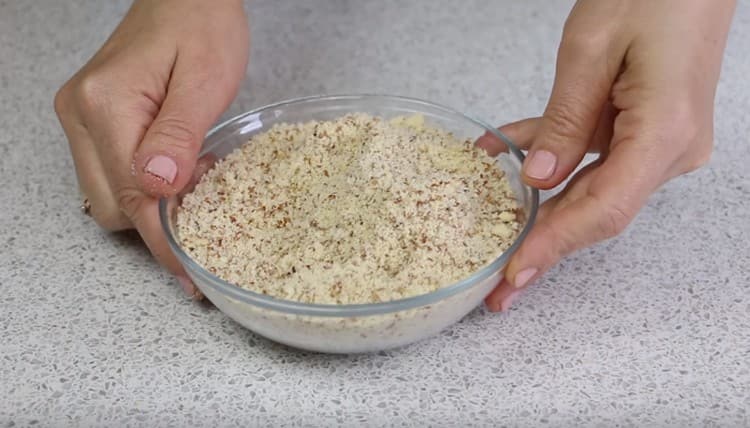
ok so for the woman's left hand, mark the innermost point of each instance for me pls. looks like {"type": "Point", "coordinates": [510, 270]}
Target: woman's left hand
{"type": "Point", "coordinates": [635, 82]}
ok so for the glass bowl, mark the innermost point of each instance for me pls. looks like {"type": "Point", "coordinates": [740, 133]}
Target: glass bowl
{"type": "Point", "coordinates": [360, 327]}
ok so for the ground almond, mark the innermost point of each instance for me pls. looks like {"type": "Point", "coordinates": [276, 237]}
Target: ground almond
{"type": "Point", "coordinates": [353, 210]}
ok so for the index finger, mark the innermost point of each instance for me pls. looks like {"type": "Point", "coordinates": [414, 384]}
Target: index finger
{"type": "Point", "coordinates": [520, 133]}
{"type": "Point", "coordinates": [145, 218]}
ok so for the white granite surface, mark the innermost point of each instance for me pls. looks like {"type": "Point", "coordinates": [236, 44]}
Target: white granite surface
{"type": "Point", "coordinates": [649, 329]}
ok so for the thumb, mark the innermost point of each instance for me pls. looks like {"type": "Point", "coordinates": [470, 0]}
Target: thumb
{"type": "Point", "coordinates": [166, 157]}
{"type": "Point", "coordinates": [585, 72]}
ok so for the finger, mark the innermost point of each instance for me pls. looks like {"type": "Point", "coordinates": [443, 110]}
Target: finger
{"type": "Point", "coordinates": [505, 294]}
{"type": "Point", "coordinates": [520, 133]}
{"type": "Point", "coordinates": [143, 211]}
{"type": "Point", "coordinates": [149, 227]}
{"type": "Point", "coordinates": [587, 65]}
{"type": "Point", "coordinates": [147, 222]}
{"type": "Point", "coordinates": [196, 97]}
{"type": "Point", "coordinates": [523, 132]}
{"type": "Point", "coordinates": [502, 297]}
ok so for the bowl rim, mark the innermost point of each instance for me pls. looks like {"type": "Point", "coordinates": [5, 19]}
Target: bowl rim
{"type": "Point", "coordinates": [359, 309]}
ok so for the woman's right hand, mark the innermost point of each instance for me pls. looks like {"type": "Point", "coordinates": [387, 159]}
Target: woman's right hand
{"type": "Point", "coordinates": [136, 114]}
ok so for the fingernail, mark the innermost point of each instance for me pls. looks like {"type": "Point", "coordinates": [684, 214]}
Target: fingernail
{"type": "Point", "coordinates": [540, 165]}
{"type": "Point", "coordinates": [162, 167]}
{"type": "Point", "coordinates": [508, 301]}
{"type": "Point", "coordinates": [523, 277]}
{"type": "Point", "coordinates": [187, 285]}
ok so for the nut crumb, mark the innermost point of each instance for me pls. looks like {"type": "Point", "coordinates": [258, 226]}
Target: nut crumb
{"type": "Point", "coordinates": [352, 210]}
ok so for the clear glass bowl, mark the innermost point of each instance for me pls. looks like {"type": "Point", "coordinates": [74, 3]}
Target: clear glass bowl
{"type": "Point", "coordinates": [362, 327]}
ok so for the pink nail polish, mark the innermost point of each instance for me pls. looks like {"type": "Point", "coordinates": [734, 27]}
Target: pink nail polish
{"type": "Point", "coordinates": [523, 277]}
{"type": "Point", "coordinates": [187, 285]}
{"type": "Point", "coordinates": [508, 301]}
{"type": "Point", "coordinates": [162, 167]}
{"type": "Point", "coordinates": [540, 165]}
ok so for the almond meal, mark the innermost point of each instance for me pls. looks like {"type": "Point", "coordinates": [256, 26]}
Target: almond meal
{"type": "Point", "coordinates": [353, 210]}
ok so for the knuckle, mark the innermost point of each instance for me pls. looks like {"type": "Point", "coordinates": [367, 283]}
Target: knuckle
{"type": "Point", "coordinates": [110, 219]}
{"type": "Point", "coordinates": [105, 213]}
{"type": "Point", "coordinates": [612, 220]}
{"type": "Point", "coordinates": [177, 133]}
{"type": "Point", "coordinates": [91, 92]}
{"type": "Point", "coordinates": [61, 101]}
{"type": "Point", "coordinates": [562, 243]}
{"type": "Point", "coordinates": [590, 43]}
{"type": "Point", "coordinates": [562, 122]}
{"type": "Point", "coordinates": [129, 200]}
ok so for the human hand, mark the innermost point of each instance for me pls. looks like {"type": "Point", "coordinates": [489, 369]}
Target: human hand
{"type": "Point", "coordinates": [136, 114]}
{"type": "Point", "coordinates": [635, 82]}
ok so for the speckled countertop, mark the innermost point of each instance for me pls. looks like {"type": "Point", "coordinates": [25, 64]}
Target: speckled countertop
{"type": "Point", "coordinates": [649, 329]}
